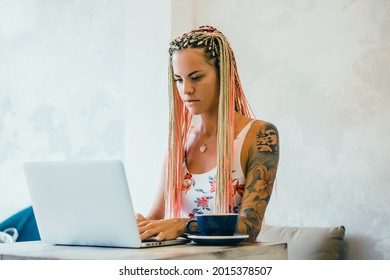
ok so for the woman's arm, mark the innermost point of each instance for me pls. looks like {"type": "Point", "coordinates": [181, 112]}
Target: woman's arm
{"type": "Point", "coordinates": [262, 164]}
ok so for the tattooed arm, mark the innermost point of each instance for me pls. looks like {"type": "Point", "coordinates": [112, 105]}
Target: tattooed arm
{"type": "Point", "coordinates": [262, 164]}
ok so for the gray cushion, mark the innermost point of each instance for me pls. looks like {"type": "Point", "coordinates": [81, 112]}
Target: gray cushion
{"type": "Point", "coordinates": [307, 243]}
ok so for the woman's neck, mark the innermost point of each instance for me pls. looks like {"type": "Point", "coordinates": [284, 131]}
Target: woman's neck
{"type": "Point", "coordinates": [208, 125]}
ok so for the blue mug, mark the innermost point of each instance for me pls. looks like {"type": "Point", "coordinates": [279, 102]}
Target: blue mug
{"type": "Point", "coordinates": [214, 224]}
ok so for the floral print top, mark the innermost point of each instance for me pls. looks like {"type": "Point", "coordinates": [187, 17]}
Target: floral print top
{"type": "Point", "coordinates": [198, 190]}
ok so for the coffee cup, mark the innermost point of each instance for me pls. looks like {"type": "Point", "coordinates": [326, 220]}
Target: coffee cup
{"type": "Point", "coordinates": [214, 224]}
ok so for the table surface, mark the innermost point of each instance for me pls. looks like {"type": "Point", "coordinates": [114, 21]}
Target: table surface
{"type": "Point", "coordinates": [190, 251]}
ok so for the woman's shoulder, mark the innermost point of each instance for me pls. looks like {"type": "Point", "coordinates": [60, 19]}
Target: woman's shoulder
{"type": "Point", "coordinates": [256, 126]}
{"type": "Point", "coordinates": [263, 126]}
{"type": "Point", "coordinates": [264, 137]}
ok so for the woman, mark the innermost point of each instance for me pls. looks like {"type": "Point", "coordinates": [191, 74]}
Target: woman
{"type": "Point", "coordinates": [225, 163]}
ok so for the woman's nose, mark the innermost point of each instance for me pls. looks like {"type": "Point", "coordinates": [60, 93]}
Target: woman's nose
{"type": "Point", "coordinates": [188, 88]}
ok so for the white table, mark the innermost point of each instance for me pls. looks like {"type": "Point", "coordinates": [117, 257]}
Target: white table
{"type": "Point", "coordinates": [191, 251]}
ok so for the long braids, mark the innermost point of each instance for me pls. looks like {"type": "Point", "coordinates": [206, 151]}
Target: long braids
{"type": "Point", "coordinates": [231, 99]}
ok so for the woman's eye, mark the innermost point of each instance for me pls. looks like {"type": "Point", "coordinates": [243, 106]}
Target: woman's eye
{"type": "Point", "coordinates": [197, 78]}
{"type": "Point", "coordinates": [178, 80]}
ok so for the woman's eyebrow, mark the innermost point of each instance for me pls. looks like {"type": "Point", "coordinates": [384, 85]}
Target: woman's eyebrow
{"type": "Point", "coordinates": [190, 74]}
{"type": "Point", "coordinates": [194, 72]}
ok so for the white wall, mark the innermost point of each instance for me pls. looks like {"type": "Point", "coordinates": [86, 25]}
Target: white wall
{"type": "Point", "coordinates": [320, 71]}
{"type": "Point", "coordinates": [62, 86]}
{"type": "Point", "coordinates": [83, 80]}
{"type": "Point", "coordinates": [146, 108]}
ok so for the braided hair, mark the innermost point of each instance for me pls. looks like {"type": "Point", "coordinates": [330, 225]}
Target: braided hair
{"type": "Point", "coordinates": [231, 98]}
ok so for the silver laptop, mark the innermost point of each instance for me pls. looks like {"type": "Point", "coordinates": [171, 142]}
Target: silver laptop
{"type": "Point", "coordinates": [85, 203]}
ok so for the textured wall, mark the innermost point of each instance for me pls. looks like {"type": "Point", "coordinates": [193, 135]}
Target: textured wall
{"type": "Point", "coordinates": [320, 71]}
{"type": "Point", "coordinates": [82, 80]}
{"type": "Point", "coordinates": [61, 87]}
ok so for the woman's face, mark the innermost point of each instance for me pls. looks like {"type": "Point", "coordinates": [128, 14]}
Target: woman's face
{"type": "Point", "coordinates": [196, 80]}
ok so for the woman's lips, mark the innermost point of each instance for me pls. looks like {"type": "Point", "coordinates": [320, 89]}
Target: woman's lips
{"type": "Point", "coordinates": [191, 101]}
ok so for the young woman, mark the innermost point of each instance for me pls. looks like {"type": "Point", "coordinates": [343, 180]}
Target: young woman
{"type": "Point", "coordinates": [227, 162]}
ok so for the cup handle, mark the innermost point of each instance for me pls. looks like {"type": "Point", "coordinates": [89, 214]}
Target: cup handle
{"type": "Point", "coordinates": [188, 227]}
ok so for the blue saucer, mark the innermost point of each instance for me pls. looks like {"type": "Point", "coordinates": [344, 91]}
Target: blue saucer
{"type": "Point", "coordinates": [218, 240]}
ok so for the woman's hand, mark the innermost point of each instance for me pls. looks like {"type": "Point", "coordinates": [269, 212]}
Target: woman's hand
{"type": "Point", "coordinates": [140, 218]}
{"type": "Point", "coordinates": [161, 229]}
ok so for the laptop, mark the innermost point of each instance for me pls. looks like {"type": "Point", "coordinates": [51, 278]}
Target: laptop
{"type": "Point", "coordinates": [85, 203]}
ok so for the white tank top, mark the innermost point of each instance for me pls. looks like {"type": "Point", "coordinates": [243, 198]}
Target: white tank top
{"type": "Point", "coordinates": [198, 190]}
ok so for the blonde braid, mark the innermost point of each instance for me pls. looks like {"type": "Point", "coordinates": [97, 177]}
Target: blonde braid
{"type": "Point", "coordinates": [179, 122]}
{"type": "Point", "coordinates": [231, 99]}
{"type": "Point", "coordinates": [225, 132]}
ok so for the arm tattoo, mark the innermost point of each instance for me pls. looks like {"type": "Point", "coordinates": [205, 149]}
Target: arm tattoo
{"type": "Point", "coordinates": [267, 140]}
{"type": "Point", "coordinates": [261, 173]}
